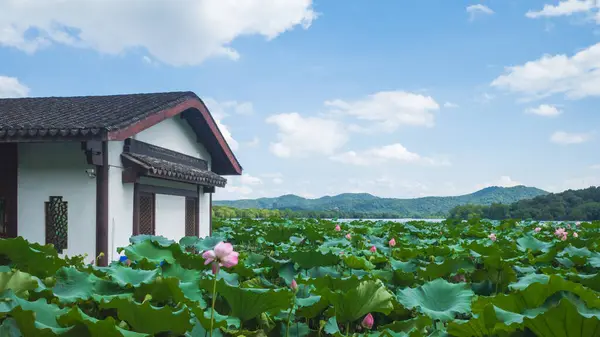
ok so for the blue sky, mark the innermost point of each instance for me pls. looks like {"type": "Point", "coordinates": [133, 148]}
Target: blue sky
{"type": "Point", "coordinates": [394, 98]}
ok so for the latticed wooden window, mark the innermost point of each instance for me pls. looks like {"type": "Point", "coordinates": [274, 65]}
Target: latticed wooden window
{"type": "Point", "coordinates": [146, 214]}
{"type": "Point", "coordinates": [57, 228]}
{"type": "Point", "coordinates": [191, 216]}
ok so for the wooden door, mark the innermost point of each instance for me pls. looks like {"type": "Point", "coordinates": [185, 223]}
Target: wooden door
{"type": "Point", "coordinates": [8, 190]}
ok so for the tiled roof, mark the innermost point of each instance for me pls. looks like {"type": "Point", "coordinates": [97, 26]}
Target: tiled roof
{"type": "Point", "coordinates": [82, 115]}
{"type": "Point", "coordinates": [175, 171]}
{"type": "Point", "coordinates": [114, 117]}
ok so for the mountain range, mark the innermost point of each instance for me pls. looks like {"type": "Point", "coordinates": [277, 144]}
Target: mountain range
{"type": "Point", "coordinates": [370, 204]}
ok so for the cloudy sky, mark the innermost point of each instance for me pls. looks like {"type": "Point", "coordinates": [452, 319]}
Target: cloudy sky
{"type": "Point", "coordinates": [395, 98]}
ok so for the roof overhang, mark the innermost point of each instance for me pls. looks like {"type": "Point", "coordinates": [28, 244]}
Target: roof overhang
{"type": "Point", "coordinates": [143, 159]}
{"type": "Point", "coordinates": [189, 107]}
{"type": "Point", "coordinates": [195, 112]}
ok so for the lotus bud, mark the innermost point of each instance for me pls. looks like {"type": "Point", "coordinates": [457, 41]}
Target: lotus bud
{"type": "Point", "coordinates": [368, 321]}
{"type": "Point", "coordinates": [373, 249]}
{"type": "Point", "coordinates": [392, 242]}
{"type": "Point", "coordinates": [575, 235]}
{"type": "Point", "coordinates": [338, 228]}
{"type": "Point", "coordinates": [348, 236]}
{"type": "Point", "coordinates": [294, 285]}
{"type": "Point", "coordinates": [538, 229]}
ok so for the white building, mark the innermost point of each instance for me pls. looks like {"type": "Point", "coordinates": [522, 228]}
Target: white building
{"type": "Point", "coordinates": [87, 173]}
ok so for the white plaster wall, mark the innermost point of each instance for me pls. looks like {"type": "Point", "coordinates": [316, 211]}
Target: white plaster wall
{"type": "Point", "coordinates": [120, 202]}
{"type": "Point", "coordinates": [204, 207]}
{"type": "Point", "coordinates": [170, 216]}
{"type": "Point", "coordinates": [177, 135]}
{"type": "Point", "coordinates": [57, 169]}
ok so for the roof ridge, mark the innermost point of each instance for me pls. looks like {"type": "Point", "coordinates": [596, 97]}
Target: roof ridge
{"type": "Point", "coordinates": [182, 92]}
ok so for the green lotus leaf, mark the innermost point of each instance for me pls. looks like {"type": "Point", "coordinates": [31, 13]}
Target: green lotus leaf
{"type": "Point", "coordinates": [31, 258]}
{"type": "Point", "coordinates": [408, 326]}
{"type": "Point", "coordinates": [296, 330]}
{"type": "Point", "coordinates": [311, 306]}
{"type": "Point", "coordinates": [570, 318]}
{"type": "Point", "coordinates": [313, 258]}
{"type": "Point", "coordinates": [159, 240]}
{"type": "Point", "coordinates": [17, 281]}
{"type": "Point", "coordinates": [527, 280]}
{"type": "Point", "coordinates": [407, 267]}
{"type": "Point", "coordinates": [368, 297]}
{"type": "Point", "coordinates": [492, 321]}
{"type": "Point", "coordinates": [73, 285]}
{"type": "Point", "coordinates": [529, 242]}
{"type": "Point", "coordinates": [248, 303]}
{"type": "Point", "coordinates": [95, 327]}
{"type": "Point", "coordinates": [9, 328]}
{"type": "Point", "coordinates": [38, 318]}
{"type": "Point", "coordinates": [149, 251]}
{"type": "Point", "coordinates": [146, 318]}
{"type": "Point", "coordinates": [220, 321]}
{"type": "Point", "coordinates": [357, 262]}
{"type": "Point", "coordinates": [438, 299]}
{"type": "Point", "coordinates": [125, 276]}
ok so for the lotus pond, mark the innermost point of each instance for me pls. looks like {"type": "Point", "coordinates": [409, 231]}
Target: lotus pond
{"type": "Point", "coordinates": [316, 278]}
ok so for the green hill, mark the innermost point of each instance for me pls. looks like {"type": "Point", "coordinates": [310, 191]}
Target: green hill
{"type": "Point", "coordinates": [364, 204]}
{"type": "Point", "coordinates": [568, 205]}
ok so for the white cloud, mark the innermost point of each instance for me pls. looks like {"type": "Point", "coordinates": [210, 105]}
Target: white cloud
{"type": "Point", "coordinates": [300, 136]}
{"type": "Point", "coordinates": [545, 110]}
{"type": "Point", "coordinates": [222, 110]}
{"type": "Point", "coordinates": [475, 10]}
{"type": "Point", "coordinates": [388, 109]}
{"type": "Point", "coordinates": [388, 153]}
{"type": "Point", "coordinates": [565, 138]}
{"type": "Point", "coordinates": [564, 8]}
{"type": "Point", "coordinates": [450, 105]}
{"type": "Point", "coordinates": [577, 76]}
{"type": "Point", "coordinates": [503, 181]}
{"type": "Point", "coordinates": [242, 185]}
{"type": "Point", "coordinates": [10, 87]}
{"type": "Point", "coordinates": [183, 32]}
{"type": "Point", "coordinates": [252, 143]}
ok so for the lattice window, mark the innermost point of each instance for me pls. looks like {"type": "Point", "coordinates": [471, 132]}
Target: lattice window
{"type": "Point", "coordinates": [57, 228]}
{"type": "Point", "coordinates": [146, 213]}
{"type": "Point", "coordinates": [191, 216]}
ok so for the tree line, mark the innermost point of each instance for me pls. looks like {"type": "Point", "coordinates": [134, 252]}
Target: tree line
{"type": "Point", "coordinates": [226, 212]}
{"type": "Point", "coordinates": [571, 205]}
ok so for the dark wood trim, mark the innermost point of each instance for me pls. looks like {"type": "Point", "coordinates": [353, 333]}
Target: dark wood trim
{"type": "Point", "coordinates": [136, 211]}
{"type": "Point", "coordinates": [197, 215]}
{"type": "Point", "coordinates": [189, 104]}
{"type": "Point", "coordinates": [146, 149]}
{"type": "Point", "coordinates": [93, 152]}
{"type": "Point", "coordinates": [9, 167]}
{"type": "Point", "coordinates": [166, 190]}
{"type": "Point", "coordinates": [102, 207]}
{"type": "Point", "coordinates": [210, 231]}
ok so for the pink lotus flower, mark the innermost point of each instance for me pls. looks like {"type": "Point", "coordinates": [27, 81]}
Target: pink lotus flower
{"type": "Point", "coordinates": [294, 285]}
{"type": "Point", "coordinates": [575, 235]}
{"type": "Point", "coordinates": [373, 249]}
{"type": "Point", "coordinates": [492, 237]}
{"type": "Point", "coordinates": [564, 237]}
{"type": "Point", "coordinates": [538, 229]}
{"type": "Point", "coordinates": [221, 255]}
{"type": "Point", "coordinates": [559, 232]}
{"type": "Point", "coordinates": [348, 236]}
{"type": "Point", "coordinates": [338, 228]}
{"type": "Point", "coordinates": [392, 242]}
{"type": "Point", "coordinates": [368, 321]}
{"type": "Point", "coordinates": [577, 223]}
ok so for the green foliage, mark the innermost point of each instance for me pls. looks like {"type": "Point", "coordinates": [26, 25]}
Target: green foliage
{"type": "Point", "coordinates": [441, 279]}
{"type": "Point", "coordinates": [363, 205]}
{"type": "Point", "coordinates": [575, 205]}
